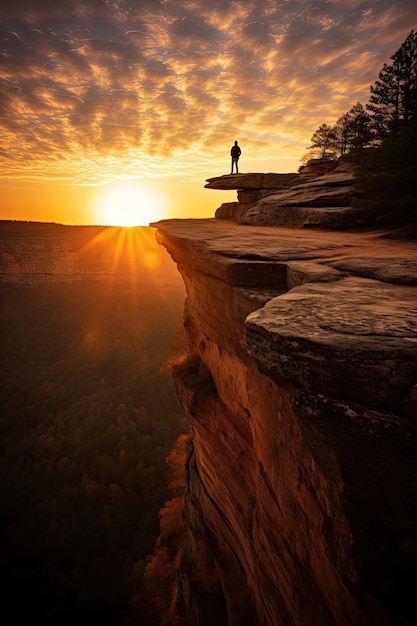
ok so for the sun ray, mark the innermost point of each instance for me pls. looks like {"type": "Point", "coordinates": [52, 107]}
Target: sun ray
{"type": "Point", "coordinates": [124, 251]}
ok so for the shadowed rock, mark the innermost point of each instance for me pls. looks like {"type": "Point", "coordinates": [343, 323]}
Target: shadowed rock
{"type": "Point", "coordinates": [250, 181]}
{"type": "Point", "coordinates": [320, 195]}
{"type": "Point", "coordinates": [357, 330]}
{"type": "Point", "coordinates": [301, 476]}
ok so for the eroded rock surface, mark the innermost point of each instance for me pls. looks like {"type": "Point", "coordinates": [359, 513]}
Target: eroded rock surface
{"type": "Point", "coordinates": [254, 181]}
{"type": "Point", "coordinates": [300, 389]}
{"type": "Point", "coordinates": [320, 195]}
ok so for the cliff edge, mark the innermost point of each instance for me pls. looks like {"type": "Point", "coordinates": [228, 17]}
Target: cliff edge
{"type": "Point", "coordinates": [301, 389]}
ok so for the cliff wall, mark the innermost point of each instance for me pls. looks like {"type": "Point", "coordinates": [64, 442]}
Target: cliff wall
{"type": "Point", "coordinates": [300, 386]}
{"type": "Point", "coordinates": [35, 253]}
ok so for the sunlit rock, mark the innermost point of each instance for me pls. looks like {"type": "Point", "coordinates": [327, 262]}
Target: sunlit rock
{"type": "Point", "coordinates": [300, 389]}
{"type": "Point", "coordinates": [319, 195]}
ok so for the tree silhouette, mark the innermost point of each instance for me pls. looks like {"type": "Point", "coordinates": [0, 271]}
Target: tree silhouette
{"type": "Point", "coordinates": [352, 130]}
{"type": "Point", "coordinates": [393, 100]}
{"type": "Point", "coordinates": [323, 143]}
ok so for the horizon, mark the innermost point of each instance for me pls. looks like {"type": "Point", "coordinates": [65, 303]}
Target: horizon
{"type": "Point", "coordinates": [114, 115]}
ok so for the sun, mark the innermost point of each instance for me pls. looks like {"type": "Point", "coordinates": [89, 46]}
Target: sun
{"type": "Point", "coordinates": [128, 204]}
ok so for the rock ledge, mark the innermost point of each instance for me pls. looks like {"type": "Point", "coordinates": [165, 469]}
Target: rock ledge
{"type": "Point", "coordinates": [319, 195]}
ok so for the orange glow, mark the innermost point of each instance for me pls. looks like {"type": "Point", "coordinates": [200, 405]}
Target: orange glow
{"type": "Point", "coordinates": [127, 250]}
{"type": "Point", "coordinates": [128, 204]}
{"type": "Point", "coordinates": [160, 92]}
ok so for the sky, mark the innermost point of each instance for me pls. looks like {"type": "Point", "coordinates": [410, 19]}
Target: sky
{"type": "Point", "coordinates": [117, 111]}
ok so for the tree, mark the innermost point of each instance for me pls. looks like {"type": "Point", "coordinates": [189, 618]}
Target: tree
{"type": "Point", "coordinates": [322, 143]}
{"type": "Point", "coordinates": [393, 100]}
{"type": "Point", "coordinates": [352, 130]}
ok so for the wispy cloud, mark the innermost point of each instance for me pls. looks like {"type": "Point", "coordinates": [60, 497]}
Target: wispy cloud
{"type": "Point", "coordinates": [95, 87]}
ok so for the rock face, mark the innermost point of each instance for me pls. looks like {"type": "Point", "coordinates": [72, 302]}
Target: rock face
{"type": "Point", "coordinates": [36, 253]}
{"type": "Point", "coordinates": [300, 386]}
{"type": "Point", "coordinates": [320, 194]}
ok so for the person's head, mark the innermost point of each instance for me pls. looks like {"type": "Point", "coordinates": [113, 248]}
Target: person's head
{"type": "Point", "coordinates": [235, 143]}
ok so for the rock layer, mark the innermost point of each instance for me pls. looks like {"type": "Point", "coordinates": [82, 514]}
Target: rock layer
{"type": "Point", "coordinates": [33, 253]}
{"type": "Point", "coordinates": [300, 389]}
{"type": "Point", "coordinates": [320, 194]}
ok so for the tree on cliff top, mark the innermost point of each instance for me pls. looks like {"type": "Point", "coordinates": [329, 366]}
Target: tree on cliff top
{"type": "Point", "coordinates": [322, 143]}
{"type": "Point", "coordinates": [392, 104]}
{"type": "Point", "coordinates": [393, 100]}
{"type": "Point", "coordinates": [351, 131]}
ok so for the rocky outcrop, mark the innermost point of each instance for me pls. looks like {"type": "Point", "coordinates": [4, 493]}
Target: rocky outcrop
{"type": "Point", "coordinates": [300, 386]}
{"type": "Point", "coordinates": [320, 195]}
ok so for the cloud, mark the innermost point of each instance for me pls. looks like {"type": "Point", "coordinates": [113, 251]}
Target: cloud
{"type": "Point", "coordinates": [96, 85]}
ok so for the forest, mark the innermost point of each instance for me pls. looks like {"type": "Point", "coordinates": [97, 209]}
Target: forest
{"type": "Point", "coordinates": [89, 417]}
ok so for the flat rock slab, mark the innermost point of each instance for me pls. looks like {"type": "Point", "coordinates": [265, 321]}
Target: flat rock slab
{"type": "Point", "coordinates": [348, 321]}
{"type": "Point", "coordinates": [250, 181]}
{"type": "Point", "coordinates": [397, 270]}
{"type": "Point", "coordinates": [230, 239]}
{"type": "Point", "coordinates": [337, 217]}
{"type": "Point", "coordinates": [360, 334]}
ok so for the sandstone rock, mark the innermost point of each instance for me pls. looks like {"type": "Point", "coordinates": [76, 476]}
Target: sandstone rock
{"type": "Point", "coordinates": [317, 167]}
{"type": "Point", "coordinates": [299, 216]}
{"type": "Point", "coordinates": [38, 253]}
{"type": "Point", "coordinates": [34, 260]}
{"type": "Point", "coordinates": [292, 199]}
{"type": "Point", "coordinates": [299, 273]}
{"type": "Point", "coordinates": [231, 210]}
{"type": "Point", "coordinates": [253, 195]}
{"type": "Point", "coordinates": [250, 181]}
{"type": "Point", "coordinates": [355, 330]}
{"type": "Point", "coordinates": [302, 472]}
{"type": "Point", "coordinates": [397, 270]}
{"type": "Point", "coordinates": [324, 201]}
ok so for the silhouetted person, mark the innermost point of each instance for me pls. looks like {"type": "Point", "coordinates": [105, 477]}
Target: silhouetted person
{"type": "Point", "coordinates": [235, 153]}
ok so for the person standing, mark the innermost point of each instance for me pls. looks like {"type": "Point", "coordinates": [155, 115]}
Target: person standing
{"type": "Point", "coordinates": [235, 153]}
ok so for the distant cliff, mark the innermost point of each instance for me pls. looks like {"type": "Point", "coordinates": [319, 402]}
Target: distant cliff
{"type": "Point", "coordinates": [301, 390]}
{"type": "Point", "coordinates": [36, 253]}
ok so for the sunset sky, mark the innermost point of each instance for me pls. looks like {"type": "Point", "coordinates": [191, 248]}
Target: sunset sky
{"type": "Point", "coordinates": [107, 105]}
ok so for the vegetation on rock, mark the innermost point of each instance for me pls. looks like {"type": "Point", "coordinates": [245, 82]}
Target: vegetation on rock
{"type": "Point", "coordinates": [392, 105]}
{"type": "Point", "coordinates": [382, 140]}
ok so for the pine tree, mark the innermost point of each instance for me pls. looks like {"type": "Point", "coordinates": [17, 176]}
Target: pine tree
{"type": "Point", "coordinates": [359, 127]}
{"type": "Point", "coordinates": [393, 100]}
{"type": "Point", "coordinates": [322, 143]}
{"type": "Point", "coordinates": [352, 130]}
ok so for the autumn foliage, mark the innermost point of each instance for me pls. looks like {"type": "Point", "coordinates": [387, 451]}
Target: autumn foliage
{"type": "Point", "coordinates": [156, 604]}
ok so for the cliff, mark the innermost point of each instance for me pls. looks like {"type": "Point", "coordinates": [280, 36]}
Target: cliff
{"type": "Point", "coordinates": [301, 390]}
{"type": "Point", "coordinates": [320, 194]}
{"type": "Point", "coordinates": [34, 253]}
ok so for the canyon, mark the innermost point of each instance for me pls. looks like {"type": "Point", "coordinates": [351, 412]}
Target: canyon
{"type": "Point", "coordinates": [36, 253]}
{"type": "Point", "coordinates": [300, 384]}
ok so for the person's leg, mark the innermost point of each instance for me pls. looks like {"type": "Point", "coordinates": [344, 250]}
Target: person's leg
{"type": "Point", "coordinates": [237, 169]}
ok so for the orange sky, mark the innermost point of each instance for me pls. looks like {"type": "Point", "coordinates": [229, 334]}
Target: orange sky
{"type": "Point", "coordinates": [95, 94]}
